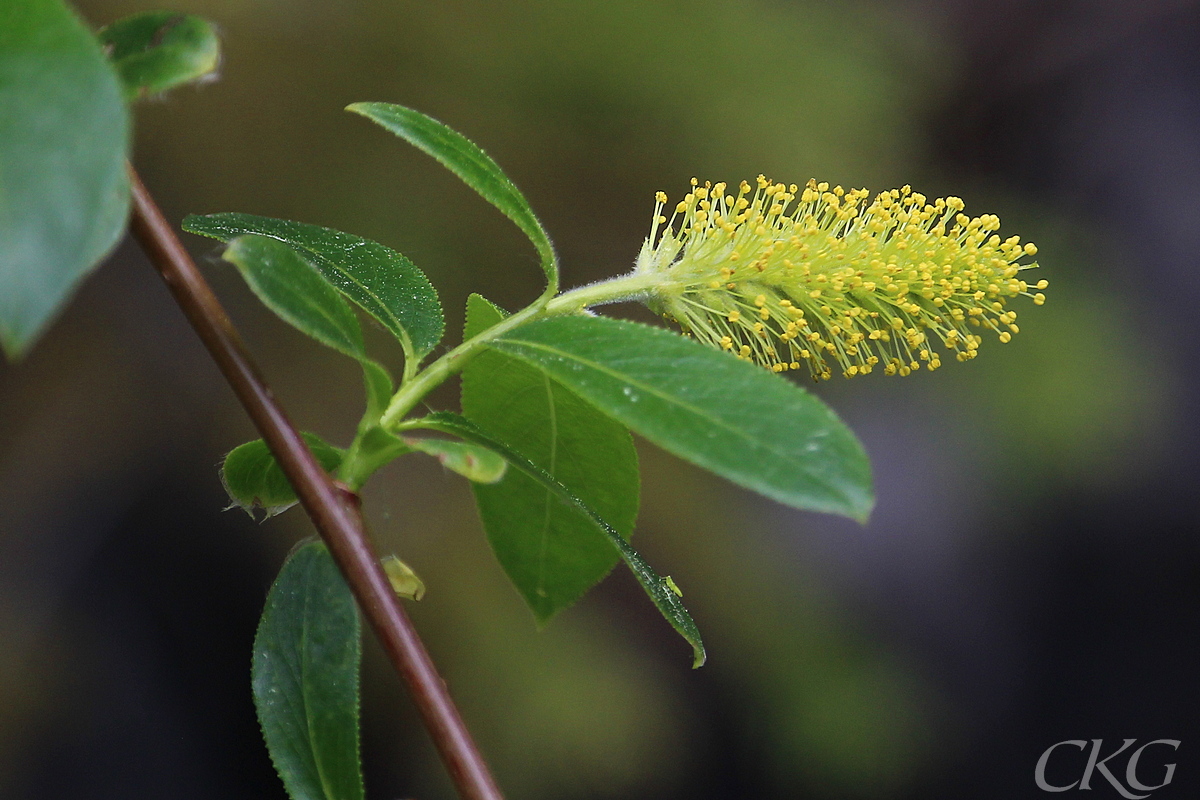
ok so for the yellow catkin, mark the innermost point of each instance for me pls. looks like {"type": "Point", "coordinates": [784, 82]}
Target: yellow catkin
{"type": "Point", "coordinates": [785, 276]}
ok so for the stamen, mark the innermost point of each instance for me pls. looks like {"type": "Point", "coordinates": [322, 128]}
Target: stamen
{"type": "Point", "coordinates": [822, 276]}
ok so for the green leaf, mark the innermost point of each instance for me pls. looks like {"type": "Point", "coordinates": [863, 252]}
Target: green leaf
{"type": "Point", "coordinates": [476, 464]}
{"type": "Point", "coordinates": [297, 293]}
{"type": "Point", "coordinates": [64, 191]}
{"type": "Point", "coordinates": [382, 282]}
{"type": "Point", "coordinates": [305, 678]}
{"type": "Point", "coordinates": [254, 480]}
{"type": "Point", "coordinates": [729, 416]}
{"type": "Point", "coordinates": [549, 550]}
{"type": "Point", "coordinates": [158, 50]}
{"type": "Point", "coordinates": [475, 167]}
{"type": "Point", "coordinates": [662, 591]}
{"type": "Point", "coordinates": [293, 289]}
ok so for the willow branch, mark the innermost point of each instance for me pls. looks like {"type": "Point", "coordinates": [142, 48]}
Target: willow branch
{"type": "Point", "coordinates": [334, 510]}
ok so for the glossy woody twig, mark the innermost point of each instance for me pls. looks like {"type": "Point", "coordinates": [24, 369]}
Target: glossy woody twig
{"type": "Point", "coordinates": [334, 510]}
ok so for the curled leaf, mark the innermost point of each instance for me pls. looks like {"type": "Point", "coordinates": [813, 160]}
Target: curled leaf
{"type": "Point", "coordinates": [476, 464]}
{"type": "Point", "coordinates": [158, 50]}
{"type": "Point", "coordinates": [405, 582]}
{"type": "Point", "coordinates": [254, 480]}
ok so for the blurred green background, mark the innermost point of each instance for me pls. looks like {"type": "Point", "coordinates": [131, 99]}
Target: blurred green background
{"type": "Point", "coordinates": [1030, 575]}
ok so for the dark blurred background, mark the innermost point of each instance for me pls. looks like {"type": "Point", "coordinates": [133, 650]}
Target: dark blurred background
{"type": "Point", "coordinates": [1032, 571]}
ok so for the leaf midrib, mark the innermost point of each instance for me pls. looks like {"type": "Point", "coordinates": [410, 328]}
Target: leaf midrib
{"type": "Point", "coordinates": [552, 414]}
{"type": "Point", "coordinates": [671, 399]}
{"type": "Point", "coordinates": [486, 171]}
{"type": "Point", "coordinates": [308, 717]}
{"type": "Point", "coordinates": [399, 327]}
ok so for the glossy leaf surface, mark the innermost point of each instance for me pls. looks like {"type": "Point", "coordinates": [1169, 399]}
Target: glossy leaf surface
{"type": "Point", "coordinates": [158, 50]}
{"type": "Point", "coordinates": [305, 678]}
{"type": "Point", "coordinates": [466, 160]}
{"type": "Point", "coordinates": [64, 192]}
{"type": "Point", "coordinates": [549, 550]}
{"type": "Point", "coordinates": [729, 416]}
{"type": "Point", "coordinates": [662, 591]}
{"type": "Point", "coordinates": [254, 479]}
{"type": "Point", "coordinates": [381, 281]}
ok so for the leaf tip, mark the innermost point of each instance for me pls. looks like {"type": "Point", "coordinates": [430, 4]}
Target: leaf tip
{"type": "Point", "coordinates": [862, 505]}
{"type": "Point", "coordinates": [362, 108]}
{"type": "Point", "coordinates": [154, 52]}
{"type": "Point", "coordinates": [544, 610]}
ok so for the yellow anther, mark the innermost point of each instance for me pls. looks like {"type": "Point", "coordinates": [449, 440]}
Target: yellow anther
{"type": "Point", "coordinates": [890, 277]}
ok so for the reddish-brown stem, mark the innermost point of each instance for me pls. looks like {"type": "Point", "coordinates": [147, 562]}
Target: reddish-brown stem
{"type": "Point", "coordinates": [333, 509]}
